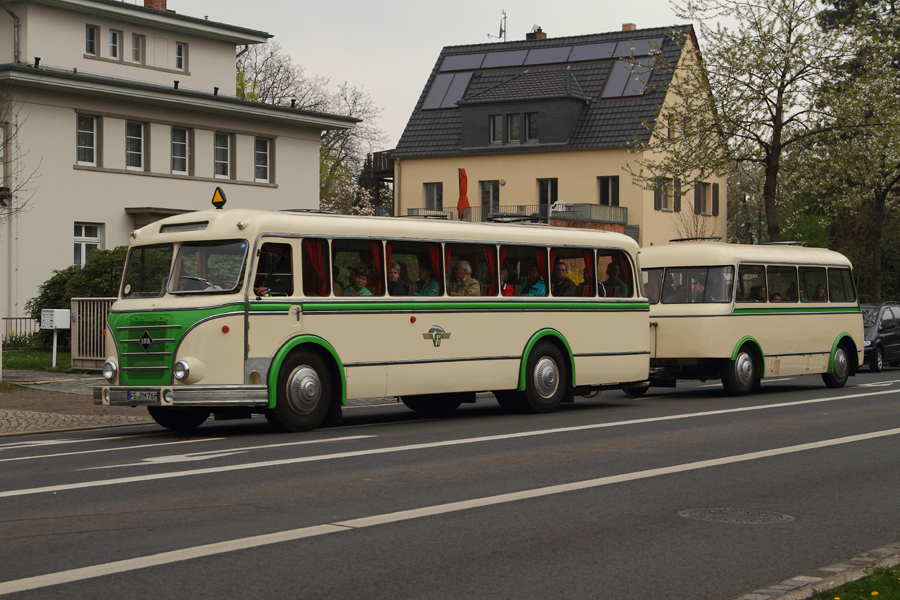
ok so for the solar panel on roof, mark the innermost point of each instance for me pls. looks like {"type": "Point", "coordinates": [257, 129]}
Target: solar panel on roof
{"type": "Point", "coordinates": [638, 47]}
{"type": "Point", "coordinates": [462, 62]}
{"type": "Point", "coordinates": [457, 89]}
{"type": "Point", "coordinates": [592, 52]}
{"type": "Point", "coordinates": [512, 58]}
{"type": "Point", "coordinates": [617, 80]}
{"type": "Point", "coordinates": [437, 91]}
{"type": "Point", "coordinates": [640, 77]}
{"type": "Point", "coordinates": [543, 56]}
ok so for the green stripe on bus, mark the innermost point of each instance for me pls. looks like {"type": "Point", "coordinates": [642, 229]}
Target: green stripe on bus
{"type": "Point", "coordinates": [463, 306]}
{"type": "Point", "coordinates": [793, 311]}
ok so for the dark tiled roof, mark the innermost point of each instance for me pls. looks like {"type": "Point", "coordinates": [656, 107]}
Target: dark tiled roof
{"type": "Point", "coordinates": [604, 123]}
{"type": "Point", "coordinates": [533, 84]}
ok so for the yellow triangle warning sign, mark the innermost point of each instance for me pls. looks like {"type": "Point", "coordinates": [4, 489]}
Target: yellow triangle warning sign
{"type": "Point", "coordinates": [218, 199]}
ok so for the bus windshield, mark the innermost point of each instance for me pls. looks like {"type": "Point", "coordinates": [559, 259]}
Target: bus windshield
{"type": "Point", "coordinates": [147, 271]}
{"type": "Point", "coordinates": [209, 267]}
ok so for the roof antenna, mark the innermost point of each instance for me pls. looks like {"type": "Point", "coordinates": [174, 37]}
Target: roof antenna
{"type": "Point", "coordinates": [502, 29]}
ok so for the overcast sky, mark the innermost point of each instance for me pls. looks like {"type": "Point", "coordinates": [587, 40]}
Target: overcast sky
{"type": "Point", "coordinates": [389, 47]}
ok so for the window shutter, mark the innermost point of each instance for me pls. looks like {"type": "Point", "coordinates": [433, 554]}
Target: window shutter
{"type": "Point", "coordinates": [698, 190]}
{"type": "Point", "coordinates": [715, 207]}
{"type": "Point", "coordinates": [677, 198]}
{"type": "Point", "coordinates": [657, 195]}
{"type": "Point", "coordinates": [614, 192]}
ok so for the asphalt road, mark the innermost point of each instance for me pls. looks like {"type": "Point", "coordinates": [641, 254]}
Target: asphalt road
{"type": "Point", "coordinates": [583, 503]}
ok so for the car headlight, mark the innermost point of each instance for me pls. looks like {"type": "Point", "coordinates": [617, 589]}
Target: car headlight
{"type": "Point", "coordinates": [181, 370]}
{"type": "Point", "coordinates": [109, 370]}
{"type": "Point", "coordinates": [867, 343]}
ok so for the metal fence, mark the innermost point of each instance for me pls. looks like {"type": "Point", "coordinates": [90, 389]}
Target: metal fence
{"type": "Point", "coordinates": [20, 326]}
{"type": "Point", "coordinates": [88, 322]}
{"type": "Point", "coordinates": [533, 212]}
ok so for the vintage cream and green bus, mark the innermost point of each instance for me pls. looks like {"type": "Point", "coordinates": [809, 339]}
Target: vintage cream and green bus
{"type": "Point", "coordinates": [741, 313]}
{"type": "Point", "coordinates": [290, 314]}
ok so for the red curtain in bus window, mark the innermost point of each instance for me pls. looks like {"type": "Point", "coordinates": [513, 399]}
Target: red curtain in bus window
{"type": "Point", "coordinates": [375, 267]}
{"type": "Point", "coordinates": [315, 253]}
{"type": "Point", "coordinates": [388, 250]}
{"type": "Point", "coordinates": [490, 260]}
{"type": "Point", "coordinates": [588, 267]}
{"type": "Point", "coordinates": [552, 261]}
{"type": "Point", "coordinates": [447, 256]}
{"type": "Point", "coordinates": [541, 256]}
{"type": "Point", "coordinates": [434, 257]}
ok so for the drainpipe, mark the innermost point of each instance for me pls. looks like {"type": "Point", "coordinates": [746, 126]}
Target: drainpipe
{"type": "Point", "coordinates": [244, 51]}
{"type": "Point", "coordinates": [15, 33]}
{"type": "Point", "coordinates": [397, 190]}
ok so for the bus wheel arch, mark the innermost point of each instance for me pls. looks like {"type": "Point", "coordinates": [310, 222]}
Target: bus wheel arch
{"type": "Point", "coordinates": [744, 369]}
{"type": "Point", "coordinates": [841, 364]}
{"type": "Point", "coordinates": [547, 372]}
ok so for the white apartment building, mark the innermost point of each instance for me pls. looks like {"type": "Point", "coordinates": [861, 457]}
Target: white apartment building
{"type": "Point", "coordinates": [125, 114]}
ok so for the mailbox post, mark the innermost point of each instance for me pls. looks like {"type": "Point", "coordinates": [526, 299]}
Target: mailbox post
{"type": "Point", "coordinates": [56, 319]}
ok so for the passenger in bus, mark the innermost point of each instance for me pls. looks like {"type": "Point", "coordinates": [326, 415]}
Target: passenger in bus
{"type": "Point", "coordinates": [404, 275]}
{"type": "Point", "coordinates": [395, 287]}
{"type": "Point", "coordinates": [359, 277]}
{"type": "Point", "coordinates": [651, 292]}
{"type": "Point", "coordinates": [338, 287]}
{"type": "Point", "coordinates": [679, 297]}
{"type": "Point", "coordinates": [775, 297]}
{"type": "Point", "coordinates": [465, 284]}
{"type": "Point", "coordinates": [757, 294]}
{"type": "Point", "coordinates": [511, 272]}
{"type": "Point", "coordinates": [535, 286]}
{"type": "Point", "coordinates": [428, 285]}
{"type": "Point", "coordinates": [561, 284]}
{"type": "Point", "coordinates": [699, 291]}
{"type": "Point", "coordinates": [505, 288]}
{"type": "Point", "coordinates": [613, 282]}
{"type": "Point", "coordinates": [820, 295]}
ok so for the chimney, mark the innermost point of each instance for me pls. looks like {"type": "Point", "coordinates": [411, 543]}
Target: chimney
{"type": "Point", "coordinates": [155, 4]}
{"type": "Point", "coordinates": [536, 34]}
{"type": "Point", "coordinates": [625, 26]}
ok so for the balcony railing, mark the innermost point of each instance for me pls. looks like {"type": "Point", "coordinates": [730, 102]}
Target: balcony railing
{"type": "Point", "coordinates": [529, 212]}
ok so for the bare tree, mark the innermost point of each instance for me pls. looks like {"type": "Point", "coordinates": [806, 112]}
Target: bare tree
{"type": "Point", "coordinates": [16, 179]}
{"type": "Point", "coordinates": [267, 75]}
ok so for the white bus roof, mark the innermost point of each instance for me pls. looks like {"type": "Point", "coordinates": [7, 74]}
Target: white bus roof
{"type": "Point", "coordinates": [687, 254]}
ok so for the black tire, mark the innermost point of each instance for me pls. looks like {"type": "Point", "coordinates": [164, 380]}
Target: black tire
{"type": "Point", "coordinates": [876, 363]}
{"type": "Point", "coordinates": [636, 392]}
{"type": "Point", "coordinates": [179, 418]}
{"type": "Point", "coordinates": [510, 400]}
{"type": "Point", "coordinates": [304, 395]}
{"type": "Point", "coordinates": [838, 377]}
{"type": "Point", "coordinates": [740, 374]}
{"type": "Point", "coordinates": [546, 379]}
{"type": "Point", "coordinates": [433, 405]}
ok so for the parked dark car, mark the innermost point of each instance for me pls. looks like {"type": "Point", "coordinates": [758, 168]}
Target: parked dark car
{"type": "Point", "coordinates": [882, 334]}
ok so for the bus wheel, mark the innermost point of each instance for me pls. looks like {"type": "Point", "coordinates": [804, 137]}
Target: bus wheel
{"type": "Point", "coordinates": [876, 365]}
{"type": "Point", "coordinates": [433, 405]}
{"type": "Point", "coordinates": [838, 377]}
{"type": "Point", "coordinates": [740, 374]}
{"type": "Point", "coordinates": [636, 392]}
{"type": "Point", "coordinates": [509, 400]}
{"type": "Point", "coordinates": [178, 419]}
{"type": "Point", "coordinates": [546, 379]}
{"type": "Point", "coordinates": [303, 395]}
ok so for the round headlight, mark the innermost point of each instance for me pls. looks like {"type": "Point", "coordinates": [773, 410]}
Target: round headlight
{"type": "Point", "coordinates": [181, 370]}
{"type": "Point", "coordinates": [867, 343]}
{"type": "Point", "coordinates": [109, 370]}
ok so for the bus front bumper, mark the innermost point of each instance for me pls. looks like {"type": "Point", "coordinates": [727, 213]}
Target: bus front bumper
{"type": "Point", "coordinates": [182, 395]}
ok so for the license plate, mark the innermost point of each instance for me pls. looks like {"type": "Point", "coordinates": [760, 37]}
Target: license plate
{"type": "Point", "coordinates": [144, 396]}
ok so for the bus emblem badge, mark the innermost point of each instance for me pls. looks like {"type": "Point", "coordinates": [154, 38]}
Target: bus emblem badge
{"type": "Point", "coordinates": [436, 334]}
{"type": "Point", "coordinates": [146, 341]}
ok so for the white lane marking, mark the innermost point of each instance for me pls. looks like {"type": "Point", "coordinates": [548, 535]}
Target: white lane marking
{"type": "Point", "coordinates": [42, 443]}
{"type": "Point", "coordinates": [109, 449]}
{"type": "Point", "coordinates": [375, 451]}
{"type": "Point", "coordinates": [193, 456]}
{"type": "Point", "coordinates": [877, 384]}
{"type": "Point", "coordinates": [184, 554]}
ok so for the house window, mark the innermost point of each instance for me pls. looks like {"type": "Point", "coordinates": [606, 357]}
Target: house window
{"type": "Point", "coordinates": [180, 147]}
{"type": "Point", "coordinates": [180, 56]}
{"type": "Point", "coordinates": [134, 146]}
{"type": "Point", "coordinates": [223, 156]}
{"type": "Point", "coordinates": [87, 141]}
{"type": "Point", "coordinates": [701, 199]}
{"type": "Point", "coordinates": [90, 40]}
{"type": "Point", "coordinates": [490, 197]}
{"type": "Point", "coordinates": [531, 127]}
{"type": "Point", "coordinates": [609, 190]}
{"type": "Point", "coordinates": [137, 48]}
{"type": "Point", "coordinates": [87, 240]}
{"type": "Point", "coordinates": [548, 191]}
{"type": "Point", "coordinates": [661, 194]}
{"type": "Point", "coordinates": [496, 129]}
{"type": "Point", "coordinates": [513, 121]}
{"type": "Point", "coordinates": [115, 37]}
{"type": "Point", "coordinates": [434, 196]}
{"type": "Point", "coordinates": [262, 160]}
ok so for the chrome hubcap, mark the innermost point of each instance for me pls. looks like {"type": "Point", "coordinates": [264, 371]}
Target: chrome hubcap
{"type": "Point", "coordinates": [304, 390]}
{"type": "Point", "coordinates": [743, 369]}
{"type": "Point", "coordinates": [840, 363]}
{"type": "Point", "coordinates": [546, 377]}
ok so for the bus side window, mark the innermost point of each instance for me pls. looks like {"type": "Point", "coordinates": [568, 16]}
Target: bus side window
{"type": "Point", "coordinates": [420, 268]}
{"type": "Point", "coordinates": [315, 267]}
{"type": "Point", "coordinates": [274, 271]}
{"type": "Point", "coordinates": [527, 269]}
{"type": "Point", "coordinates": [614, 273]}
{"type": "Point", "coordinates": [812, 284]}
{"type": "Point", "coordinates": [472, 269]}
{"type": "Point", "coordinates": [751, 284]}
{"type": "Point", "coordinates": [782, 284]}
{"type": "Point", "coordinates": [363, 263]}
{"type": "Point", "coordinates": [569, 275]}
{"type": "Point", "coordinates": [652, 284]}
{"type": "Point", "coordinates": [840, 285]}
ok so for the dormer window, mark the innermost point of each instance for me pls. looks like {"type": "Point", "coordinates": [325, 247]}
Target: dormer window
{"type": "Point", "coordinates": [531, 127]}
{"type": "Point", "coordinates": [515, 133]}
{"type": "Point", "coordinates": [496, 122]}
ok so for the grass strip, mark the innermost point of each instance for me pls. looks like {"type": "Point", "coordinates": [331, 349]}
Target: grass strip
{"type": "Point", "coordinates": [881, 582]}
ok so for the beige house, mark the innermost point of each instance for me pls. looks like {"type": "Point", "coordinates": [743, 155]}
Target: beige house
{"type": "Point", "coordinates": [541, 128]}
{"type": "Point", "coordinates": [123, 114]}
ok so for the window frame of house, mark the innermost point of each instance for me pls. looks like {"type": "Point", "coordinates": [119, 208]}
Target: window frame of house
{"type": "Point", "coordinates": [91, 38]}
{"type": "Point", "coordinates": [181, 56]}
{"type": "Point", "coordinates": [703, 199]}
{"type": "Point", "coordinates": [434, 196]}
{"type": "Point", "coordinates": [514, 128]}
{"type": "Point", "coordinates": [84, 244]}
{"type": "Point", "coordinates": [78, 139]}
{"type": "Point", "coordinates": [139, 49]}
{"type": "Point", "coordinates": [552, 191]}
{"type": "Point", "coordinates": [267, 154]}
{"type": "Point", "coordinates": [115, 44]}
{"type": "Point", "coordinates": [608, 192]}
{"type": "Point", "coordinates": [496, 129]}
{"type": "Point", "coordinates": [186, 145]}
{"type": "Point", "coordinates": [490, 196]}
{"type": "Point", "coordinates": [217, 160]}
{"type": "Point", "coordinates": [130, 151]}
{"type": "Point", "coordinates": [532, 130]}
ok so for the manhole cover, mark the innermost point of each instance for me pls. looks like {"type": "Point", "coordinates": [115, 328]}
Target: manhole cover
{"type": "Point", "coordinates": [735, 515]}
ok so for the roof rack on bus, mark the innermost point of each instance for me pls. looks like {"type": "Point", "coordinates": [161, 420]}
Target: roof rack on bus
{"type": "Point", "coordinates": [790, 243]}
{"type": "Point", "coordinates": [441, 216]}
{"type": "Point", "coordinates": [309, 210]}
{"type": "Point", "coordinates": [698, 239]}
{"type": "Point", "coordinates": [501, 218]}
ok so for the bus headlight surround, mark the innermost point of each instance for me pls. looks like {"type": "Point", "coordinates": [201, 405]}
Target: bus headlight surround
{"type": "Point", "coordinates": [109, 370]}
{"type": "Point", "coordinates": [181, 370]}
{"type": "Point", "coordinates": [867, 343]}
